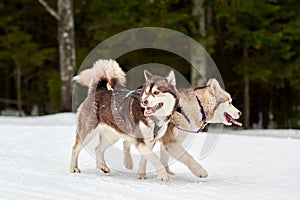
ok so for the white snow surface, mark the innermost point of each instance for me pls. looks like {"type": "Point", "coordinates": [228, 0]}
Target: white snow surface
{"type": "Point", "coordinates": [35, 154]}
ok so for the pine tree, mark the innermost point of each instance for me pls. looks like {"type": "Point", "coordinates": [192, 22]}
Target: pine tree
{"type": "Point", "coordinates": [260, 38]}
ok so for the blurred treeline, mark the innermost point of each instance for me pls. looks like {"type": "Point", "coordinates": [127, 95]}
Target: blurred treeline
{"type": "Point", "coordinates": [255, 45]}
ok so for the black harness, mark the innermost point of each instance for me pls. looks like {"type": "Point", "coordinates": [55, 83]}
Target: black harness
{"type": "Point", "coordinates": [203, 120]}
{"type": "Point", "coordinates": [180, 110]}
{"type": "Point", "coordinates": [124, 96]}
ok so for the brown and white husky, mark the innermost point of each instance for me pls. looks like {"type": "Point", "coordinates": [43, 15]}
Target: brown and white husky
{"type": "Point", "coordinates": [111, 111]}
{"type": "Point", "coordinates": [209, 104]}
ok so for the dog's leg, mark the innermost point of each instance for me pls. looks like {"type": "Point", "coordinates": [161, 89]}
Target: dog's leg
{"type": "Point", "coordinates": [106, 139]}
{"type": "Point", "coordinates": [176, 150]}
{"type": "Point", "coordinates": [142, 168]}
{"type": "Point", "coordinates": [80, 141]}
{"type": "Point", "coordinates": [147, 153]}
{"type": "Point", "coordinates": [143, 165]}
{"type": "Point", "coordinates": [75, 153]}
{"type": "Point", "coordinates": [164, 158]}
{"type": "Point", "coordinates": [127, 156]}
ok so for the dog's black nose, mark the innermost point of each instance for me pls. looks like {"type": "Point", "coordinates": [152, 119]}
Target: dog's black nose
{"type": "Point", "coordinates": [239, 113]}
{"type": "Point", "coordinates": [145, 102]}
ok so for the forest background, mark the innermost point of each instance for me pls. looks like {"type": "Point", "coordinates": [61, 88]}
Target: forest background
{"type": "Point", "coordinates": [255, 45]}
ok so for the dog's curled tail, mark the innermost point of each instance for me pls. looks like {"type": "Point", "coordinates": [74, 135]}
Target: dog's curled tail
{"type": "Point", "coordinates": [104, 73]}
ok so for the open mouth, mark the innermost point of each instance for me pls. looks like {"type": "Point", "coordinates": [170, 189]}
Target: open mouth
{"type": "Point", "coordinates": [230, 119]}
{"type": "Point", "coordinates": [151, 110]}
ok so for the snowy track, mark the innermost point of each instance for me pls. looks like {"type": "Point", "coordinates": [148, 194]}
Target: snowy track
{"type": "Point", "coordinates": [35, 154]}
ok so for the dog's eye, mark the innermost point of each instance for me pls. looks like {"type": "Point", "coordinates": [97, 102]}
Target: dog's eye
{"type": "Point", "coordinates": [156, 92]}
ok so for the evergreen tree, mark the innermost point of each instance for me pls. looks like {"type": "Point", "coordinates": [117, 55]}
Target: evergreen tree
{"type": "Point", "coordinates": [21, 56]}
{"type": "Point", "coordinates": [259, 37]}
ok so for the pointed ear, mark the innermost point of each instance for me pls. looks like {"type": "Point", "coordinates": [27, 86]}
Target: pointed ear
{"type": "Point", "coordinates": [171, 78]}
{"type": "Point", "coordinates": [213, 85]}
{"type": "Point", "coordinates": [209, 81]}
{"type": "Point", "coordinates": [147, 74]}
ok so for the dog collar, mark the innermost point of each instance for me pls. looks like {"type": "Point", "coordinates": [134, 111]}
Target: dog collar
{"type": "Point", "coordinates": [203, 122]}
{"type": "Point", "coordinates": [185, 130]}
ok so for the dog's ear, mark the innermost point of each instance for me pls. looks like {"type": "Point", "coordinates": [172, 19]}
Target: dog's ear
{"type": "Point", "coordinates": [209, 81]}
{"type": "Point", "coordinates": [147, 74]}
{"type": "Point", "coordinates": [171, 78]}
{"type": "Point", "coordinates": [213, 85]}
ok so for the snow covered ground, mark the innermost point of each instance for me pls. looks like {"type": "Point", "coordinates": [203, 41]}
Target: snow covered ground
{"type": "Point", "coordinates": [35, 154]}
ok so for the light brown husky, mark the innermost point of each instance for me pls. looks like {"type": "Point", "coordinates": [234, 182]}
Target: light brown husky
{"type": "Point", "coordinates": [209, 104]}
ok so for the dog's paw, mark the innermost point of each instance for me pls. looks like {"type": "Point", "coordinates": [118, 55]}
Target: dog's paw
{"type": "Point", "coordinates": [75, 170]}
{"type": "Point", "coordinates": [142, 176]}
{"type": "Point", "coordinates": [163, 176]}
{"type": "Point", "coordinates": [128, 163]}
{"type": "Point", "coordinates": [169, 171]}
{"type": "Point", "coordinates": [200, 172]}
{"type": "Point", "coordinates": [103, 167]}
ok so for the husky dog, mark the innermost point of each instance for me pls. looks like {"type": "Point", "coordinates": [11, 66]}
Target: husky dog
{"type": "Point", "coordinates": [112, 111]}
{"type": "Point", "coordinates": [209, 104]}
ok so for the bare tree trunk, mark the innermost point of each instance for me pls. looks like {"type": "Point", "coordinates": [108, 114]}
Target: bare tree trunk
{"type": "Point", "coordinates": [66, 44]}
{"type": "Point", "coordinates": [199, 63]}
{"type": "Point", "coordinates": [19, 90]}
{"type": "Point", "coordinates": [246, 95]}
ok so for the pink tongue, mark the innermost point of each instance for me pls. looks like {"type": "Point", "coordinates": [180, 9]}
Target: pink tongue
{"type": "Point", "coordinates": [147, 111]}
{"type": "Point", "coordinates": [236, 122]}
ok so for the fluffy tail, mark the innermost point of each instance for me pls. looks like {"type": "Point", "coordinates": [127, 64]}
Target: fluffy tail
{"type": "Point", "coordinates": [104, 73]}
